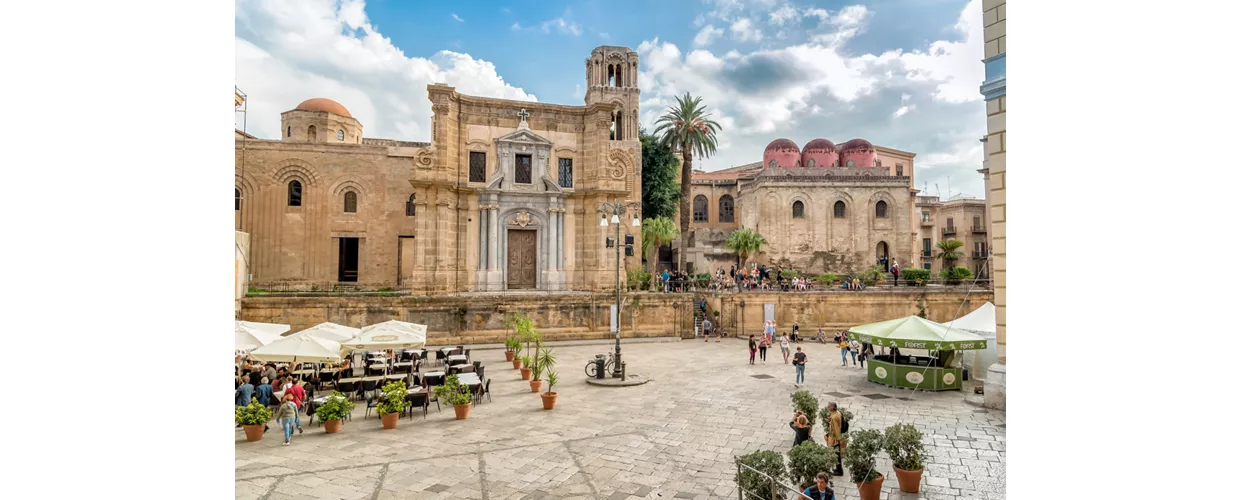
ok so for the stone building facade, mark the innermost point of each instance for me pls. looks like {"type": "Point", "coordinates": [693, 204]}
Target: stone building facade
{"type": "Point", "coordinates": [961, 219]}
{"type": "Point", "coordinates": [821, 208]}
{"type": "Point", "coordinates": [504, 196]}
{"type": "Point", "coordinates": [994, 89]}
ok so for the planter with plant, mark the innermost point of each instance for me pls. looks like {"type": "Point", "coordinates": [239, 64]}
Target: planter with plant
{"type": "Point", "coordinates": [806, 460]}
{"type": "Point", "coordinates": [549, 397]}
{"type": "Point", "coordinates": [543, 361]}
{"type": "Point", "coordinates": [904, 446]}
{"type": "Point", "coordinates": [252, 418]}
{"type": "Point", "coordinates": [392, 402]}
{"type": "Point", "coordinates": [860, 459]}
{"type": "Point", "coordinates": [845, 420]}
{"type": "Point", "coordinates": [527, 367]}
{"type": "Point", "coordinates": [333, 411]}
{"type": "Point", "coordinates": [511, 344]}
{"type": "Point", "coordinates": [757, 485]}
{"type": "Point", "coordinates": [806, 403]}
{"type": "Point", "coordinates": [455, 394]}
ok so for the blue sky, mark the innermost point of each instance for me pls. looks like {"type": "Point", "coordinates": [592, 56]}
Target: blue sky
{"type": "Point", "coordinates": [901, 73]}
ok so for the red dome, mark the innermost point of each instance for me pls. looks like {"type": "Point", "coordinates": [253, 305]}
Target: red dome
{"type": "Point", "coordinates": [856, 144]}
{"type": "Point", "coordinates": [321, 104]}
{"type": "Point", "coordinates": [819, 145]}
{"type": "Point", "coordinates": [783, 145]}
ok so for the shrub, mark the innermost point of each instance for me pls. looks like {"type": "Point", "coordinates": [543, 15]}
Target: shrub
{"type": "Point", "coordinates": [860, 455]}
{"type": "Point", "coordinates": [768, 462]}
{"type": "Point", "coordinates": [953, 275]}
{"type": "Point", "coordinates": [253, 413]}
{"type": "Point", "coordinates": [806, 403]}
{"type": "Point", "coordinates": [807, 459]}
{"type": "Point", "coordinates": [828, 278]}
{"type": "Point", "coordinates": [393, 398]}
{"type": "Point", "coordinates": [638, 279]}
{"type": "Point", "coordinates": [873, 275]}
{"type": "Point", "coordinates": [903, 444]}
{"type": "Point", "coordinates": [452, 392]}
{"type": "Point", "coordinates": [912, 275]}
{"type": "Point", "coordinates": [845, 415]}
{"type": "Point", "coordinates": [788, 274]}
{"type": "Point", "coordinates": [335, 408]}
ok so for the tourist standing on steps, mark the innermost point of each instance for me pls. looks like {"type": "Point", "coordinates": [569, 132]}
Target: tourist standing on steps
{"type": "Point", "coordinates": [798, 361]}
{"type": "Point", "coordinates": [753, 348]}
{"type": "Point", "coordinates": [762, 349]}
{"type": "Point", "coordinates": [820, 490]}
{"type": "Point", "coordinates": [287, 415]}
{"type": "Point", "coordinates": [835, 425]}
{"type": "Point", "coordinates": [895, 273]}
{"type": "Point", "coordinates": [783, 347]}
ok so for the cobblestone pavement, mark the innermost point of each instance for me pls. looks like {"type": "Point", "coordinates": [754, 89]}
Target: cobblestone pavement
{"type": "Point", "coordinates": [674, 437]}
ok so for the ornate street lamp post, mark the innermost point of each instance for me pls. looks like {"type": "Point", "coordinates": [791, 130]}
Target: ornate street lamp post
{"type": "Point", "coordinates": [615, 210]}
{"type": "Point", "coordinates": [742, 319]}
{"type": "Point", "coordinates": [676, 319]}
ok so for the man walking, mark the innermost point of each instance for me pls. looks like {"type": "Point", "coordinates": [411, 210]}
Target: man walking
{"type": "Point", "coordinates": [706, 329]}
{"type": "Point", "coordinates": [835, 425]}
{"type": "Point", "coordinates": [798, 361]}
{"type": "Point", "coordinates": [753, 349]}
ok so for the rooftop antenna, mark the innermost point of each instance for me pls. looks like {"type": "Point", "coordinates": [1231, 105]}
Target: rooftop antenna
{"type": "Point", "coordinates": [949, 186]}
{"type": "Point", "coordinates": [936, 190]}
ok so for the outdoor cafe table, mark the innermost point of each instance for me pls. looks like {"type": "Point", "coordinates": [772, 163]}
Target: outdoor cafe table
{"type": "Point", "coordinates": [464, 378]}
{"type": "Point", "coordinates": [458, 357]}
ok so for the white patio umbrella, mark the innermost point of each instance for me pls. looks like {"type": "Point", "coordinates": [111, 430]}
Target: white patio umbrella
{"type": "Point", "coordinates": [299, 349]}
{"type": "Point", "coordinates": [389, 335]}
{"type": "Point", "coordinates": [330, 331]}
{"type": "Point", "coordinates": [275, 328]}
{"type": "Point", "coordinates": [980, 322]}
{"type": "Point", "coordinates": [250, 337]}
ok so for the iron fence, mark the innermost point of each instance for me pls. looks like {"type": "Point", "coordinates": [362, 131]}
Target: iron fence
{"type": "Point", "coordinates": [768, 488]}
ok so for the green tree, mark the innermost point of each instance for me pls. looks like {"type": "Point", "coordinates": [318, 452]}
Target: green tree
{"type": "Point", "coordinates": [744, 242]}
{"type": "Point", "coordinates": [660, 191]}
{"type": "Point", "coordinates": [948, 251]}
{"type": "Point", "coordinates": [686, 129]}
{"type": "Point", "coordinates": [656, 232]}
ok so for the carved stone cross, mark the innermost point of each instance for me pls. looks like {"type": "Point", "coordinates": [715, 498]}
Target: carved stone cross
{"type": "Point", "coordinates": [523, 115]}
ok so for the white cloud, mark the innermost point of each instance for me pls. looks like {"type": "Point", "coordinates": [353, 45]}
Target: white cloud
{"type": "Point", "coordinates": [561, 26]}
{"type": "Point", "coordinates": [784, 14]}
{"type": "Point", "coordinates": [905, 107]}
{"type": "Point", "coordinates": [732, 54]}
{"type": "Point", "coordinates": [604, 35]}
{"type": "Point", "coordinates": [291, 50]}
{"type": "Point", "coordinates": [707, 35]}
{"type": "Point", "coordinates": [516, 26]}
{"type": "Point", "coordinates": [846, 24]}
{"type": "Point", "coordinates": [820, 13]}
{"type": "Point", "coordinates": [743, 30]}
{"type": "Point", "coordinates": [458, 18]}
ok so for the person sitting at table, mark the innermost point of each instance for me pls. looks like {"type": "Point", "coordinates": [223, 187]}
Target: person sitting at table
{"type": "Point", "coordinates": [244, 392]}
{"type": "Point", "coordinates": [255, 378]}
{"type": "Point", "coordinates": [345, 370]}
{"type": "Point", "coordinates": [263, 392]}
{"type": "Point", "coordinates": [269, 371]}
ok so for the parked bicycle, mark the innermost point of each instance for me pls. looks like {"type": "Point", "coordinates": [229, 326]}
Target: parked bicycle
{"type": "Point", "coordinates": [608, 367]}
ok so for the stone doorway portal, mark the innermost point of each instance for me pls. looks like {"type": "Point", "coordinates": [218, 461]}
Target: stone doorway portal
{"type": "Point", "coordinates": [522, 259]}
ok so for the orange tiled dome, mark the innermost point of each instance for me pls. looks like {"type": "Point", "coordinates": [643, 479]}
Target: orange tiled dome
{"type": "Point", "coordinates": [321, 104]}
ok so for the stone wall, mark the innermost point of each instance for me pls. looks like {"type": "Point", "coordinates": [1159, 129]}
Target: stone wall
{"type": "Point", "coordinates": [478, 318]}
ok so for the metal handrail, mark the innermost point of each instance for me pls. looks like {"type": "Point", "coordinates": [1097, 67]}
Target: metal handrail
{"type": "Point", "coordinates": [777, 488]}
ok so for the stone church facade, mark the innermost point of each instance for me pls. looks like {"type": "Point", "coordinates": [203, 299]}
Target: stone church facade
{"type": "Point", "coordinates": [504, 196]}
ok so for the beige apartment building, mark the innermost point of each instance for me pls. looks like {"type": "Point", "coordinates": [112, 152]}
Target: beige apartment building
{"type": "Point", "coordinates": [960, 218]}
{"type": "Point", "coordinates": [504, 195]}
{"type": "Point", "coordinates": [994, 89]}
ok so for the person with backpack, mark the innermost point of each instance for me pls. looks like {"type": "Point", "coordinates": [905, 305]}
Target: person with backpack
{"type": "Point", "coordinates": [836, 426]}
{"type": "Point", "coordinates": [287, 415]}
{"type": "Point", "coordinates": [762, 345]}
{"type": "Point", "coordinates": [895, 273]}
{"type": "Point", "coordinates": [753, 348]}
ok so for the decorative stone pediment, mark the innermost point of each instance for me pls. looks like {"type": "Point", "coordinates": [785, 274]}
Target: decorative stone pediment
{"type": "Point", "coordinates": [525, 136]}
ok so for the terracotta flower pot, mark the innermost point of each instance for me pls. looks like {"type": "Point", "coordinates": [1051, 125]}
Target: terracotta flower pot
{"type": "Point", "coordinates": [535, 385]}
{"type": "Point", "coordinates": [872, 489]}
{"type": "Point", "coordinates": [253, 432]}
{"type": "Point", "coordinates": [462, 411]}
{"type": "Point", "coordinates": [331, 426]}
{"type": "Point", "coordinates": [516, 364]}
{"type": "Point", "coordinates": [549, 400]}
{"type": "Point", "coordinates": [508, 355]}
{"type": "Point", "coordinates": [910, 480]}
{"type": "Point", "coordinates": [390, 420]}
{"type": "Point", "coordinates": [526, 373]}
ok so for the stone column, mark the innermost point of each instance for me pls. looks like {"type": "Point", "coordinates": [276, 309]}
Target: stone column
{"type": "Point", "coordinates": [483, 233]}
{"type": "Point", "coordinates": [553, 240]}
{"type": "Point", "coordinates": [492, 242]}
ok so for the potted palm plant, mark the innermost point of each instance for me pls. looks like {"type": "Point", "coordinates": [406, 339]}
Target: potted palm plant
{"type": "Point", "coordinates": [253, 417]}
{"type": "Point", "coordinates": [544, 360]}
{"type": "Point", "coordinates": [511, 344]}
{"type": "Point", "coordinates": [903, 444]}
{"type": "Point", "coordinates": [527, 368]}
{"type": "Point", "coordinates": [860, 460]}
{"type": "Point", "coordinates": [332, 411]}
{"type": "Point", "coordinates": [455, 394]}
{"type": "Point", "coordinates": [393, 402]}
{"type": "Point", "coordinates": [549, 396]}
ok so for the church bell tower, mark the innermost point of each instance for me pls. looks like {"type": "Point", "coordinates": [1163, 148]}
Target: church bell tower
{"type": "Point", "coordinates": [611, 77]}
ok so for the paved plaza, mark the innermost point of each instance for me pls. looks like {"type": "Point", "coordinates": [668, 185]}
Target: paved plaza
{"type": "Point", "coordinates": [674, 437]}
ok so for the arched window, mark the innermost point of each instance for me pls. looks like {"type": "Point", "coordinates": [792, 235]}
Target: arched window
{"type": "Point", "coordinates": [350, 202]}
{"type": "Point", "coordinates": [878, 163]}
{"type": "Point", "coordinates": [773, 163]}
{"type": "Point", "coordinates": [411, 209]}
{"type": "Point", "coordinates": [311, 133]}
{"type": "Point", "coordinates": [236, 200]}
{"type": "Point", "coordinates": [851, 163]}
{"type": "Point", "coordinates": [294, 193]}
{"type": "Point", "coordinates": [726, 211]}
{"type": "Point", "coordinates": [839, 210]}
{"type": "Point", "coordinates": [340, 135]}
{"type": "Point", "coordinates": [811, 163]}
{"type": "Point", "coordinates": [798, 210]}
{"type": "Point", "coordinates": [289, 133]}
{"type": "Point", "coordinates": [699, 209]}
{"type": "Point", "coordinates": [880, 209]}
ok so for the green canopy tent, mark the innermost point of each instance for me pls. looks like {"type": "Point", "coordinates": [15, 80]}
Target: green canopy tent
{"type": "Point", "coordinates": [914, 372]}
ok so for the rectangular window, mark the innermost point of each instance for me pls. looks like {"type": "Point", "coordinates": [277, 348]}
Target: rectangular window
{"type": "Point", "coordinates": [925, 216]}
{"type": "Point", "coordinates": [899, 170]}
{"type": "Point", "coordinates": [566, 172]}
{"type": "Point", "coordinates": [525, 169]}
{"type": "Point", "coordinates": [926, 266]}
{"type": "Point", "coordinates": [925, 247]}
{"type": "Point", "coordinates": [477, 166]}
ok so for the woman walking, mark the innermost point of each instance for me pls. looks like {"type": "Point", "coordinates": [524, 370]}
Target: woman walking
{"type": "Point", "coordinates": [762, 349]}
{"type": "Point", "coordinates": [844, 350]}
{"type": "Point", "coordinates": [854, 348]}
{"type": "Point", "coordinates": [783, 346]}
{"type": "Point", "coordinates": [287, 416]}
{"type": "Point", "coordinates": [753, 348]}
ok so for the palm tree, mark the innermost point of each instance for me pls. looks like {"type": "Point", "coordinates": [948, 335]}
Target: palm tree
{"type": "Point", "coordinates": [948, 251]}
{"type": "Point", "coordinates": [657, 232]}
{"type": "Point", "coordinates": [686, 128]}
{"type": "Point", "coordinates": [744, 242]}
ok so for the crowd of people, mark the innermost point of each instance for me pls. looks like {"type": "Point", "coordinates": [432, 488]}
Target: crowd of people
{"type": "Point", "coordinates": [759, 277]}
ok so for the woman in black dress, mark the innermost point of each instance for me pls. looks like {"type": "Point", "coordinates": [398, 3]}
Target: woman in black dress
{"type": "Point", "coordinates": [800, 425]}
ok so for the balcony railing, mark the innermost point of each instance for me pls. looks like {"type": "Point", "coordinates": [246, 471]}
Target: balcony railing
{"type": "Point", "coordinates": [949, 230]}
{"type": "Point", "coordinates": [978, 230]}
{"type": "Point", "coordinates": [927, 222]}
{"type": "Point", "coordinates": [979, 255]}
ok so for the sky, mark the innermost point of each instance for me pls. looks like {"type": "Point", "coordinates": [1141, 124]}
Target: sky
{"type": "Point", "coordinates": [902, 74]}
